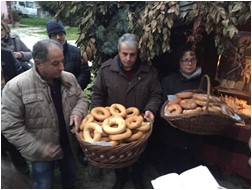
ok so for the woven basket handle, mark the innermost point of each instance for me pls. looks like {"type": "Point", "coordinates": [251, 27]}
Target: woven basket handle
{"type": "Point", "coordinates": [208, 88]}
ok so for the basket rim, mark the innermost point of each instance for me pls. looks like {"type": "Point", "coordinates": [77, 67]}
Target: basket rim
{"type": "Point", "coordinates": [177, 120]}
{"type": "Point", "coordinates": [137, 147]}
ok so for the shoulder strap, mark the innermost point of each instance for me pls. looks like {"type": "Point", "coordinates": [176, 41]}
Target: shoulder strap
{"type": "Point", "coordinates": [14, 41]}
{"type": "Point", "coordinates": [15, 44]}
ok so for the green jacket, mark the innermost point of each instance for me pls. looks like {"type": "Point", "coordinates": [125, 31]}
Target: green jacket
{"type": "Point", "coordinates": [29, 119]}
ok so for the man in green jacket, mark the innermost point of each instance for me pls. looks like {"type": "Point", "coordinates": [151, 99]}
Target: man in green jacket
{"type": "Point", "coordinates": [38, 109]}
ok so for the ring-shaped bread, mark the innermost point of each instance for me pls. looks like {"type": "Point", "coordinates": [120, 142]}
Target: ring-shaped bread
{"type": "Point", "coordinates": [134, 122]}
{"type": "Point", "coordinates": [107, 139]}
{"type": "Point", "coordinates": [174, 101]}
{"type": "Point", "coordinates": [118, 109]}
{"type": "Point", "coordinates": [215, 109]}
{"type": "Point", "coordinates": [188, 104]}
{"type": "Point", "coordinates": [87, 119]}
{"type": "Point", "coordinates": [114, 125]}
{"type": "Point", "coordinates": [100, 113]}
{"type": "Point", "coordinates": [121, 136]}
{"type": "Point", "coordinates": [132, 111]}
{"type": "Point", "coordinates": [202, 97]}
{"type": "Point", "coordinates": [173, 109]}
{"type": "Point", "coordinates": [92, 132]}
{"type": "Point", "coordinates": [192, 111]}
{"type": "Point", "coordinates": [81, 133]}
{"type": "Point", "coordinates": [135, 136]}
{"type": "Point", "coordinates": [145, 126]}
{"type": "Point", "coordinates": [200, 102]}
{"type": "Point", "coordinates": [184, 95]}
{"type": "Point", "coordinates": [113, 143]}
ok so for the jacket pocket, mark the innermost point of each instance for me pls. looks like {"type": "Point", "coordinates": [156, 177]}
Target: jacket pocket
{"type": "Point", "coordinates": [35, 105]}
{"type": "Point", "coordinates": [69, 99]}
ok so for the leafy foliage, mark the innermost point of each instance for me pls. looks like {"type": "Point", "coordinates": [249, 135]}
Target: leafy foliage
{"type": "Point", "coordinates": [222, 18]}
{"type": "Point", "coordinates": [102, 23]}
{"type": "Point", "coordinates": [55, 8]}
{"type": "Point", "coordinates": [15, 16]}
{"type": "Point", "coordinates": [49, 6]}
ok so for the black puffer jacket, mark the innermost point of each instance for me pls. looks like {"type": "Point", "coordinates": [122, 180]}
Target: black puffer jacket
{"type": "Point", "coordinates": [176, 82]}
{"type": "Point", "coordinates": [10, 66]}
{"type": "Point", "coordinates": [73, 64]}
{"type": "Point", "coordinates": [170, 136]}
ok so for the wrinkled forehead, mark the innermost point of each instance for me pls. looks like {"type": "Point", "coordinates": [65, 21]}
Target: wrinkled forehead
{"type": "Point", "coordinates": [128, 44]}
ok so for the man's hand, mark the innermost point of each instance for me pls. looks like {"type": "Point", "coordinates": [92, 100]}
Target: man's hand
{"type": "Point", "coordinates": [75, 121]}
{"type": "Point", "coordinates": [149, 116]}
{"type": "Point", "coordinates": [50, 151]}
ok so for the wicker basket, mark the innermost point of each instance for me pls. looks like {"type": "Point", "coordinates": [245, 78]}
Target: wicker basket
{"type": "Point", "coordinates": [203, 123]}
{"type": "Point", "coordinates": [111, 157]}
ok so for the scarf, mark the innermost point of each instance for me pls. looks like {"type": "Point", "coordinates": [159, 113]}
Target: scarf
{"type": "Point", "coordinates": [196, 73]}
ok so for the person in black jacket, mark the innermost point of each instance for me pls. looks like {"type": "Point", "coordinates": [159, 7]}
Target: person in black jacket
{"type": "Point", "coordinates": [10, 68]}
{"type": "Point", "coordinates": [72, 62]}
{"type": "Point", "coordinates": [180, 146]}
{"type": "Point", "coordinates": [72, 59]}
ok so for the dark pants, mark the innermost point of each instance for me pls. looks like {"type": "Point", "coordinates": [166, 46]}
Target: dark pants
{"type": "Point", "coordinates": [17, 159]}
{"type": "Point", "coordinates": [43, 171]}
{"type": "Point", "coordinates": [135, 172]}
{"type": "Point", "coordinates": [178, 147]}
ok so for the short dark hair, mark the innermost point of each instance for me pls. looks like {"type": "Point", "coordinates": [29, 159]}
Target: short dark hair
{"type": "Point", "coordinates": [186, 47]}
{"type": "Point", "coordinates": [40, 49]}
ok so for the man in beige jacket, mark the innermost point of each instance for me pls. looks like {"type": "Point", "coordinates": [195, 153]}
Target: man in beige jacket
{"type": "Point", "coordinates": [39, 107]}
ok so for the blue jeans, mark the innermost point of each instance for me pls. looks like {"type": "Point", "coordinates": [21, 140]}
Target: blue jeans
{"type": "Point", "coordinates": [43, 171]}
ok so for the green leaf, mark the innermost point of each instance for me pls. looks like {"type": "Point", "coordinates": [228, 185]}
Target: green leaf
{"type": "Point", "coordinates": [183, 14]}
{"type": "Point", "coordinates": [232, 31]}
{"type": "Point", "coordinates": [217, 18]}
{"type": "Point", "coordinates": [238, 6]}
{"type": "Point", "coordinates": [150, 15]}
{"type": "Point", "coordinates": [73, 9]}
{"type": "Point", "coordinates": [147, 28]}
{"type": "Point", "coordinates": [170, 22]}
{"type": "Point", "coordinates": [222, 12]}
{"type": "Point", "coordinates": [225, 22]}
{"type": "Point", "coordinates": [171, 10]}
{"type": "Point", "coordinates": [153, 25]}
{"type": "Point", "coordinates": [225, 31]}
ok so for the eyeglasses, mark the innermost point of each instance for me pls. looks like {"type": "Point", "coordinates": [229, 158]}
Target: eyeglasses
{"type": "Point", "coordinates": [60, 34]}
{"type": "Point", "coordinates": [187, 61]}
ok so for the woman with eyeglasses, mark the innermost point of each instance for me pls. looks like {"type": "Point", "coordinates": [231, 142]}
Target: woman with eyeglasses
{"type": "Point", "coordinates": [19, 50]}
{"type": "Point", "coordinates": [186, 77]}
{"type": "Point", "coordinates": [179, 147]}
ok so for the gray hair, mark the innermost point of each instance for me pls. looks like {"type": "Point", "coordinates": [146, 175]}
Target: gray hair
{"type": "Point", "coordinates": [40, 49]}
{"type": "Point", "coordinates": [130, 39]}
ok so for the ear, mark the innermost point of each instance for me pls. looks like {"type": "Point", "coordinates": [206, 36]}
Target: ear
{"type": "Point", "coordinates": [38, 64]}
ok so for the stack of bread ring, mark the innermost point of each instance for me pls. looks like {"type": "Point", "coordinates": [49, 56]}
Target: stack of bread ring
{"type": "Point", "coordinates": [192, 103]}
{"type": "Point", "coordinates": [115, 124]}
